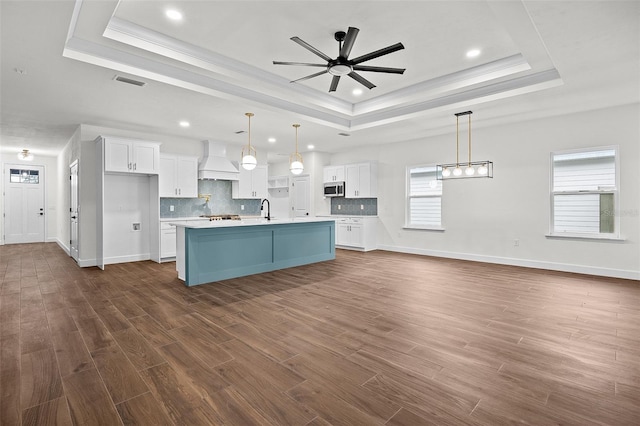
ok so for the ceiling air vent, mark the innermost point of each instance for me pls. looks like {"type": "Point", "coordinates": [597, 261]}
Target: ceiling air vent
{"type": "Point", "coordinates": [344, 134]}
{"type": "Point", "coordinates": [122, 79]}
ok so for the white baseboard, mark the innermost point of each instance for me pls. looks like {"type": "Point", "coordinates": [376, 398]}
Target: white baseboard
{"type": "Point", "coordinates": [553, 266]}
{"type": "Point", "coordinates": [62, 245]}
{"type": "Point", "coordinates": [124, 259]}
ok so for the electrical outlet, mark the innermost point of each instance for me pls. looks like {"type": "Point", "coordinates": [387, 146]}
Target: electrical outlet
{"type": "Point", "coordinates": [241, 206]}
{"type": "Point", "coordinates": [339, 207]}
{"type": "Point", "coordinates": [136, 226]}
{"type": "Point", "coordinates": [172, 208]}
{"type": "Point", "coordinates": [361, 206]}
{"type": "Point", "coordinates": [516, 243]}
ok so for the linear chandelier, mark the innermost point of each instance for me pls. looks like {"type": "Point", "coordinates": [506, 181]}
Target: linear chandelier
{"type": "Point", "coordinates": [295, 160]}
{"type": "Point", "coordinates": [472, 169]}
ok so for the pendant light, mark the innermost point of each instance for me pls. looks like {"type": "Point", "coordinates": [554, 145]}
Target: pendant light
{"type": "Point", "coordinates": [472, 169]}
{"type": "Point", "coordinates": [295, 159]}
{"type": "Point", "coordinates": [249, 161]}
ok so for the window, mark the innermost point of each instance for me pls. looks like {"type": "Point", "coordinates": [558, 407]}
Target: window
{"type": "Point", "coordinates": [584, 192]}
{"type": "Point", "coordinates": [24, 176]}
{"type": "Point", "coordinates": [424, 196]}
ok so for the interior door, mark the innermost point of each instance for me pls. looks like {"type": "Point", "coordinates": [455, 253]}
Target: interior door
{"type": "Point", "coordinates": [301, 196]}
{"type": "Point", "coordinates": [24, 204]}
{"type": "Point", "coordinates": [73, 211]}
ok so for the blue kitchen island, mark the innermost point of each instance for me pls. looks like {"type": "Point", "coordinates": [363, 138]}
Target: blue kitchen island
{"type": "Point", "coordinates": [219, 250]}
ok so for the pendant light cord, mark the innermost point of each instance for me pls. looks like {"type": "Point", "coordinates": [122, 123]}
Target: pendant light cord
{"type": "Point", "coordinates": [469, 140]}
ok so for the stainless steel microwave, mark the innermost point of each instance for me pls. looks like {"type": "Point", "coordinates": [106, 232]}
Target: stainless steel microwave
{"type": "Point", "coordinates": [334, 189]}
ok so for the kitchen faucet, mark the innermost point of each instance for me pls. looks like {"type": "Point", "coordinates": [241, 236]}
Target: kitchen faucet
{"type": "Point", "coordinates": [268, 208]}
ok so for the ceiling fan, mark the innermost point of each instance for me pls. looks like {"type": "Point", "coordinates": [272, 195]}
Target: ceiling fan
{"type": "Point", "coordinates": [342, 65]}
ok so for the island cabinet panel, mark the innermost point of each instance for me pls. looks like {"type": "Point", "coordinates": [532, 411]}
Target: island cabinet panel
{"type": "Point", "coordinates": [217, 253]}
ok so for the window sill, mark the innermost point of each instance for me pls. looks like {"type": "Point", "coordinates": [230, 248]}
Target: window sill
{"type": "Point", "coordinates": [423, 228]}
{"type": "Point", "coordinates": [585, 237]}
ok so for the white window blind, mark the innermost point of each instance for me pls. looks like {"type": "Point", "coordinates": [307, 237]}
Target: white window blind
{"type": "Point", "coordinates": [424, 198]}
{"type": "Point", "coordinates": [584, 187]}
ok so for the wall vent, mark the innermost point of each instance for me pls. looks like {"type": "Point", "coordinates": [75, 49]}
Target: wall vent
{"type": "Point", "coordinates": [122, 79]}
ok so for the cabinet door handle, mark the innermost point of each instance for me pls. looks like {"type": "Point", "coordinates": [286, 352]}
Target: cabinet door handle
{"type": "Point", "coordinates": [135, 166]}
{"type": "Point", "coordinates": [129, 167]}
{"type": "Point", "coordinates": [179, 191]}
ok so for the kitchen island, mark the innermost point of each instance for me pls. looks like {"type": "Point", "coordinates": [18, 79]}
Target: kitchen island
{"type": "Point", "coordinates": [209, 251]}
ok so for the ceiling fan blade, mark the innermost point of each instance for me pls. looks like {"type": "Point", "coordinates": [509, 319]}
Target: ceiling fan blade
{"type": "Point", "coordinates": [379, 69]}
{"type": "Point", "coordinates": [360, 79]}
{"type": "Point", "coordinates": [334, 83]}
{"type": "Point", "coordinates": [299, 63]}
{"type": "Point", "coordinates": [352, 33]}
{"type": "Point", "coordinates": [377, 53]}
{"type": "Point", "coordinates": [310, 48]}
{"type": "Point", "coordinates": [310, 76]}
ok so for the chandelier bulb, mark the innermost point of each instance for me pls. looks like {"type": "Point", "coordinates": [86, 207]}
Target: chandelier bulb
{"type": "Point", "coordinates": [446, 172]}
{"type": "Point", "coordinates": [469, 171]}
{"type": "Point", "coordinates": [457, 171]}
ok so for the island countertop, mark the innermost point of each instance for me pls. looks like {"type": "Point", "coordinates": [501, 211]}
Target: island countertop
{"type": "Point", "coordinates": [206, 223]}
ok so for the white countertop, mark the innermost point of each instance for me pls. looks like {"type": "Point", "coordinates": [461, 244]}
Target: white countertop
{"type": "Point", "coordinates": [206, 223]}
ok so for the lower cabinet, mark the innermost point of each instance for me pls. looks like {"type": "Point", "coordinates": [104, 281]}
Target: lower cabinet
{"type": "Point", "coordinates": [167, 240]}
{"type": "Point", "coordinates": [357, 233]}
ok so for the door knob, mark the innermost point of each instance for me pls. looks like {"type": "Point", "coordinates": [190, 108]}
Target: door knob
{"type": "Point", "coordinates": [74, 217]}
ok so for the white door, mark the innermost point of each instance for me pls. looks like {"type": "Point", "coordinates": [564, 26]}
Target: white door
{"type": "Point", "coordinates": [301, 196]}
{"type": "Point", "coordinates": [24, 204]}
{"type": "Point", "coordinates": [73, 211]}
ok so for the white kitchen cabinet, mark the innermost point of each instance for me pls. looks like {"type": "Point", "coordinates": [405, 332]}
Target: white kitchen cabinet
{"type": "Point", "coordinates": [358, 233]}
{"type": "Point", "coordinates": [131, 156]}
{"type": "Point", "coordinates": [167, 240]}
{"type": "Point", "coordinates": [178, 176]}
{"type": "Point", "coordinates": [333, 174]}
{"type": "Point", "coordinates": [361, 180]}
{"type": "Point", "coordinates": [251, 184]}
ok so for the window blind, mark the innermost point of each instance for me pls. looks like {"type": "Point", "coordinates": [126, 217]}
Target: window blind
{"type": "Point", "coordinates": [425, 198]}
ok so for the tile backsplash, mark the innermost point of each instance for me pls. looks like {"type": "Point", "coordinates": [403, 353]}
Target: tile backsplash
{"type": "Point", "coordinates": [220, 202]}
{"type": "Point", "coordinates": [354, 206]}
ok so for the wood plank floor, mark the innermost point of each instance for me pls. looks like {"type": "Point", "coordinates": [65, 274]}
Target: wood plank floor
{"type": "Point", "coordinates": [372, 338]}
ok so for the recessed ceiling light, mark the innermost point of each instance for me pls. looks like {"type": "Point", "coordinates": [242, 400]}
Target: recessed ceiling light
{"type": "Point", "coordinates": [357, 92]}
{"type": "Point", "coordinates": [271, 140]}
{"type": "Point", "coordinates": [185, 124]}
{"type": "Point", "coordinates": [310, 146]}
{"type": "Point", "coordinates": [173, 14]}
{"type": "Point", "coordinates": [473, 53]}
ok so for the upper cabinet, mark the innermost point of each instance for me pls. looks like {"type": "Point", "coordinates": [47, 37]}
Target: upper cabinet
{"type": "Point", "coordinates": [178, 176]}
{"type": "Point", "coordinates": [131, 156]}
{"type": "Point", "coordinates": [334, 174]}
{"type": "Point", "coordinates": [251, 183]}
{"type": "Point", "coordinates": [361, 180]}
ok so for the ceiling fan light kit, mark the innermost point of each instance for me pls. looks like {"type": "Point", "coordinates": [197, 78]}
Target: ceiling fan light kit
{"type": "Point", "coordinates": [467, 169]}
{"type": "Point", "coordinates": [342, 65]}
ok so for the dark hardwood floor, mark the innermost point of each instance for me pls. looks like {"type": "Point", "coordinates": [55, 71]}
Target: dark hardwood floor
{"type": "Point", "coordinates": [372, 338]}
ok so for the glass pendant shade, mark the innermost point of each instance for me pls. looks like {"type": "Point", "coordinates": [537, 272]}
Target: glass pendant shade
{"type": "Point", "coordinates": [249, 162]}
{"type": "Point", "coordinates": [446, 172]}
{"type": "Point", "coordinates": [457, 171]}
{"type": "Point", "coordinates": [296, 167]}
{"type": "Point", "coordinates": [469, 171]}
{"type": "Point", "coordinates": [25, 155]}
{"type": "Point", "coordinates": [482, 170]}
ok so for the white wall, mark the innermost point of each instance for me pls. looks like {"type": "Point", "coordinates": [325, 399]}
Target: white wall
{"type": "Point", "coordinates": [483, 217]}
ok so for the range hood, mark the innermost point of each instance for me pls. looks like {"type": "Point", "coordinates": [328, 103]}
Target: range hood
{"type": "Point", "coordinates": [214, 163]}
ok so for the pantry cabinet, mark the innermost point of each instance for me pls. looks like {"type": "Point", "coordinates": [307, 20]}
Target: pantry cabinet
{"type": "Point", "coordinates": [131, 156]}
{"type": "Point", "coordinates": [178, 176]}
{"type": "Point", "coordinates": [251, 184]}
